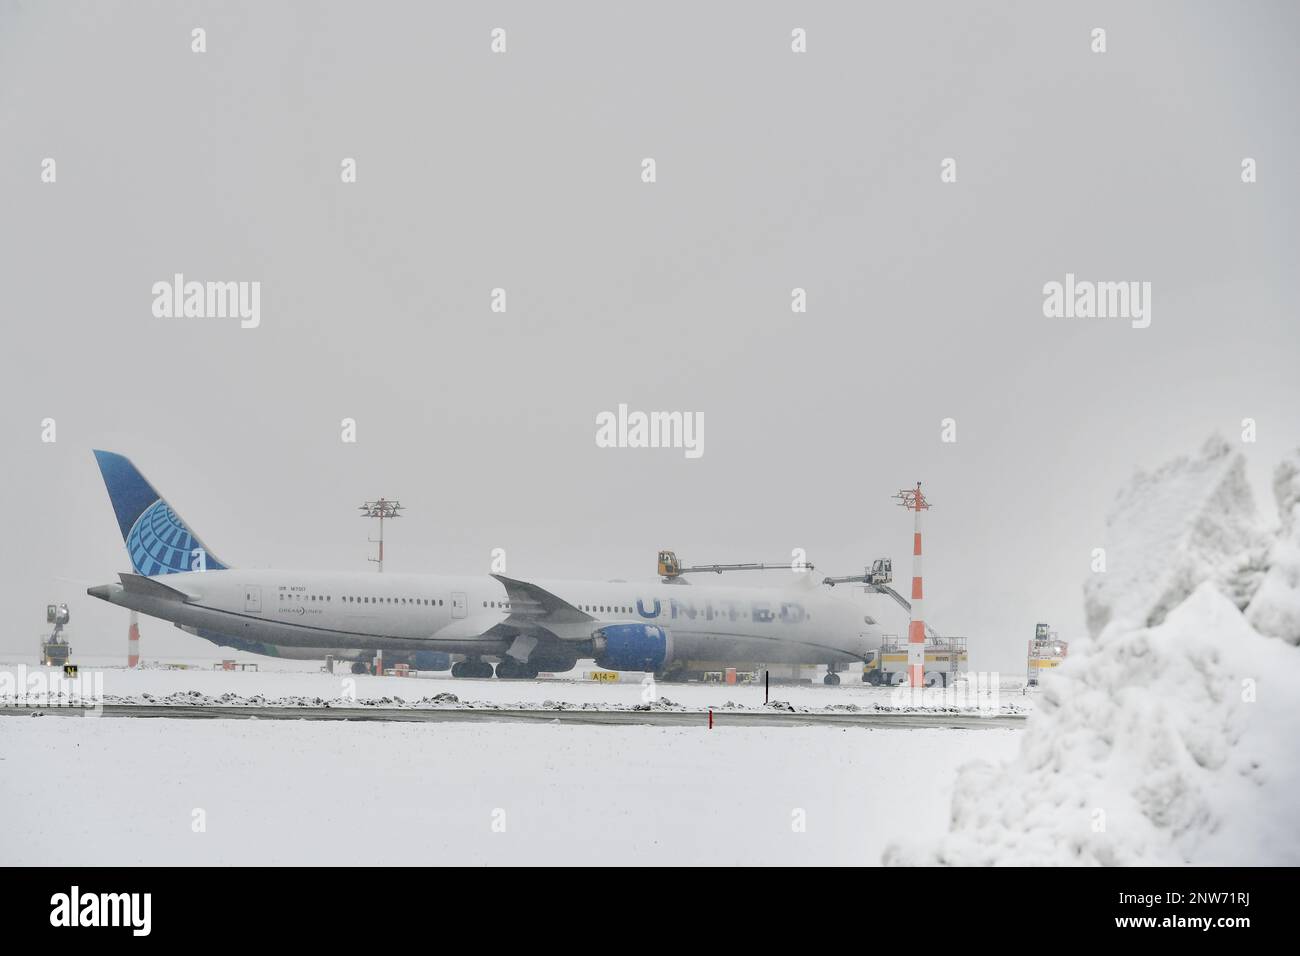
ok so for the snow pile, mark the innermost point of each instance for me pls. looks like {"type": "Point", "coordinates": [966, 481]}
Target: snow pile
{"type": "Point", "coordinates": [1192, 520]}
{"type": "Point", "coordinates": [1275, 607]}
{"type": "Point", "coordinates": [1167, 745]}
{"type": "Point", "coordinates": [1170, 738]}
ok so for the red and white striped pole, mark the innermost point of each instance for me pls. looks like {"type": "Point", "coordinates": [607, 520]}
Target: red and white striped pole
{"type": "Point", "coordinates": [133, 642]}
{"type": "Point", "coordinates": [914, 500]}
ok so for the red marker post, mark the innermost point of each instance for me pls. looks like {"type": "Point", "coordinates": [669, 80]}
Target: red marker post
{"type": "Point", "coordinates": [915, 501]}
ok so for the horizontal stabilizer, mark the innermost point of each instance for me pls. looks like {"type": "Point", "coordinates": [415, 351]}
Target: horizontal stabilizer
{"type": "Point", "coordinates": [139, 584]}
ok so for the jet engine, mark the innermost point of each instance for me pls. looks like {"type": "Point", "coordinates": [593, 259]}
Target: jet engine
{"type": "Point", "coordinates": [431, 661]}
{"type": "Point", "coordinates": [632, 647]}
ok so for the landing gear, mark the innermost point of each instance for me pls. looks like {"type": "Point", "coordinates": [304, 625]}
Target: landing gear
{"type": "Point", "coordinates": [511, 669]}
{"type": "Point", "coordinates": [831, 680]}
{"type": "Point", "coordinates": [478, 669]}
{"type": "Point", "coordinates": [359, 668]}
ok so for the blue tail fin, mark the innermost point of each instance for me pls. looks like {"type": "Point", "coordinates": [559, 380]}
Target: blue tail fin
{"type": "Point", "coordinates": [157, 538]}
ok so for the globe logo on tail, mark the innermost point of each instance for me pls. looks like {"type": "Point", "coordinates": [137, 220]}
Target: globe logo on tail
{"type": "Point", "coordinates": [159, 542]}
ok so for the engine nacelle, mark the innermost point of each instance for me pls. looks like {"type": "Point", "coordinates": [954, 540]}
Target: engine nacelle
{"type": "Point", "coordinates": [633, 647]}
{"type": "Point", "coordinates": [553, 663]}
{"type": "Point", "coordinates": [431, 661]}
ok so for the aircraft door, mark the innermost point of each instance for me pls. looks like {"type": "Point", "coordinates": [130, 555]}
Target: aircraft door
{"type": "Point", "coordinates": [459, 606]}
{"type": "Point", "coordinates": [253, 598]}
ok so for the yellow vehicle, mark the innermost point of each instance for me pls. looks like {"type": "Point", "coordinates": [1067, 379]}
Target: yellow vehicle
{"type": "Point", "coordinates": [668, 565]}
{"type": "Point", "coordinates": [945, 658]}
{"type": "Point", "coordinates": [1046, 651]}
{"type": "Point", "coordinates": [670, 568]}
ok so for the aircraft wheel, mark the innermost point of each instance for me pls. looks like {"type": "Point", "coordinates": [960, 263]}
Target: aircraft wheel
{"type": "Point", "coordinates": [358, 667]}
{"type": "Point", "coordinates": [830, 680]}
{"type": "Point", "coordinates": [507, 669]}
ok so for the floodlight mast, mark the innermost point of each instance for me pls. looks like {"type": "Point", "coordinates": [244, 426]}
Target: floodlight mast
{"type": "Point", "coordinates": [380, 508]}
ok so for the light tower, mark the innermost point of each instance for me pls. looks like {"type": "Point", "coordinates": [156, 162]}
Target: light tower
{"type": "Point", "coordinates": [381, 509]}
{"type": "Point", "coordinates": [915, 501]}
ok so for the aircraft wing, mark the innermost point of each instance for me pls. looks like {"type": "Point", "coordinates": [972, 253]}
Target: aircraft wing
{"type": "Point", "coordinates": [533, 606]}
{"type": "Point", "coordinates": [534, 612]}
{"type": "Point", "coordinates": [479, 626]}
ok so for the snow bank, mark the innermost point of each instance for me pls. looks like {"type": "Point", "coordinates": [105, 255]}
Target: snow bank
{"type": "Point", "coordinates": [1275, 607]}
{"type": "Point", "coordinates": [1167, 745]}
{"type": "Point", "coordinates": [1170, 737]}
{"type": "Point", "coordinates": [1191, 520]}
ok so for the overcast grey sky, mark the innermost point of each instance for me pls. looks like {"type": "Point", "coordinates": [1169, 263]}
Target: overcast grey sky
{"type": "Point", "coordinates": [775, 170]}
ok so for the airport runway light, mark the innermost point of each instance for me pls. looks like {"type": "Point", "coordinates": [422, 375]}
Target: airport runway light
{"type": "Point", "coordinates": [382, 508]}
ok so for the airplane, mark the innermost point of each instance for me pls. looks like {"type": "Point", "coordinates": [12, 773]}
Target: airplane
{"type": "Point", "coordinates": [525, 627]}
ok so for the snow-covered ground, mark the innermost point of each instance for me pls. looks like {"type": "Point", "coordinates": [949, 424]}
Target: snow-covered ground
{"type": "Point", "coordinates": [126, 791]}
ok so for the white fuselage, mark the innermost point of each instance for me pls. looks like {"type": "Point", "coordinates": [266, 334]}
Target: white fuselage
{"type": "Point", "coordinates": [312, 613]}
